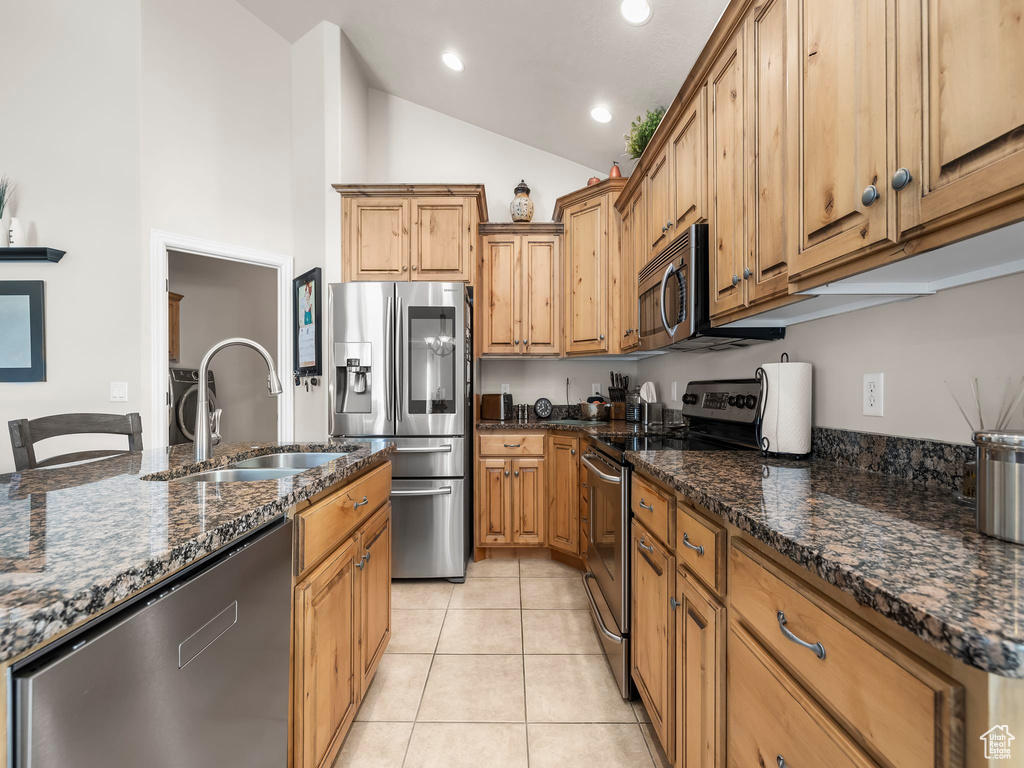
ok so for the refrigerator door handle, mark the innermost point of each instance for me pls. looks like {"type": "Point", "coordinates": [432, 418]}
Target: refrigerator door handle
{"type": "Point", "coordinates": [445, 491]}
{"type": "Point", "coordinates": [399, 401]}
{"type": "Point", "coordinates": [389, 340]}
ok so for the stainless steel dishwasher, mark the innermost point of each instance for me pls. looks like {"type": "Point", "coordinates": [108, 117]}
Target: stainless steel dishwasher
{"type": "Point", "coordinates": [194, 674]}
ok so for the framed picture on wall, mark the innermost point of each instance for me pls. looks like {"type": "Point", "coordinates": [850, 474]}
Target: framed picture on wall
{"type": "Point", "coordinates": [306, 323]}
{"type": "Point", "coordinates": [22, 348]}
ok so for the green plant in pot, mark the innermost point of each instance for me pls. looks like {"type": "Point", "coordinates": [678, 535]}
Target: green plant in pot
{"type": "Point", "coordinates": [641, 130]}
{"type": "Point", "coordinates": [6, 191]}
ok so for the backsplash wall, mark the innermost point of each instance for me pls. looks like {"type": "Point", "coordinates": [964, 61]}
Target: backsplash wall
{"type": "Point", "coordinates": [975, 330]}
{"type": "Point", "coordinates": [533, 379]}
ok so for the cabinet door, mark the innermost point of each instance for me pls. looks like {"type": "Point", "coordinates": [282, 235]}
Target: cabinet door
{"type": "Point", "coordinates": [959, 105]}
{"type": "Point", "coordinates": [839, 59]}
{"type": "Point", "coordinates": [586, 277]}
{"type": "Point", "coordinates": [562, 456]}
{"type": "Point", "coordinates": [325, 662]}
{"type": "Point", "coordinates": [771, 225]}
{"type": "Point", "coordinates": [660, 210]}
{"type": "Point", "coordinates": [688, 150]}
{"type": "Point", "coordinates": [528, 501]}
{"type": "Point", "coordinates": [700, 676]}
{"type": "Point", "coordinates": [494, 501]}
{"type": "Point", "coordinates": [442, 239]}
{"type": "Point", "coordinates": [726, 177]}
{"type": "Point", "coordinates": [374, 579]}
{"type": "Point", "coordinates": [653, 631]}
{"type": "Point", "coordinates": [541, 285]}
{"type": "Point", "coordinates": [499, 299]}
{"type": "Point", "coordinates": [377, 245]}
{"type": "Point", "coordinates": [629, 335]}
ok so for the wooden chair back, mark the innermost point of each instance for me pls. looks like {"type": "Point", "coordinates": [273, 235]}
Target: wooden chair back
{"type": "Point", "coordinates": [25, 433]}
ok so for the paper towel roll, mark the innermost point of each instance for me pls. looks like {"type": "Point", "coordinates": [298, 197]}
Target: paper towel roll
{"type": "Point", "coordinates": [786, 415]}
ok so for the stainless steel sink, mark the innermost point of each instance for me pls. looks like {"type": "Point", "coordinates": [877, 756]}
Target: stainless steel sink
{"type": "Point", "coordinates": [296, 460]}
{"type": "Point", "coordinates": [240, 475]}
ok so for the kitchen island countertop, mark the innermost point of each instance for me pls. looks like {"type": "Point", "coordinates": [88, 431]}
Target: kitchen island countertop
{"type": "Point", "coordinates": [76, 540]}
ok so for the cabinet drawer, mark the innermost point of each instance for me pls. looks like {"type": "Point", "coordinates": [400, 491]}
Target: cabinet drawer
{"type": "Point", "coordinates": [323, 527]}
{"type": "Point", "coordinates": [700, 544]}
{"type": "Point", "coordinates": [897, 706]}
{"type": "Point", "coordinates": [652, 507]}
{"type": "Point", "coordinates": [773, 722]}
{"type": "Point", "coordinates": [512, 444]}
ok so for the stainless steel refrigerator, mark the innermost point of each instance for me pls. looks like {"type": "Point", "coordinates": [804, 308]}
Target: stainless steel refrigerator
{"type": "Point", "coordinates": [401, 362]}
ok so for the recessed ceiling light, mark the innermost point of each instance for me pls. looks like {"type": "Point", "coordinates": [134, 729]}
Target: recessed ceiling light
{"type": "Point", "coordinates": [601, 114]}
{"type": "Point", "coordinates": [636, 12]}
{"type": "Point", "coordinates": [453, 61]}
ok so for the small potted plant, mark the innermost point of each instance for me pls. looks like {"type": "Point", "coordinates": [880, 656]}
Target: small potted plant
{"type": "Point", "coordinates": [641, 130]}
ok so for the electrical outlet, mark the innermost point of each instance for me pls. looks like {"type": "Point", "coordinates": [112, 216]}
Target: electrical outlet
{"type": "Point", "coordinates": [595, 388]}
{"type": "Point", "coordinates": [874, 394]}
{"type": "Point", "coordinates": [675, 391]}
{"type": "Point", "coordinates": [119, 391]}
{"type": "Point", "coordinates": [506, 389]}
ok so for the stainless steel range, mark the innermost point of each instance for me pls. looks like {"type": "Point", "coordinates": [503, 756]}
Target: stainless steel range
{"type": "Point", "coordinates": [401, 368]}
{"type": "Point", "coordinates": [723, 415]}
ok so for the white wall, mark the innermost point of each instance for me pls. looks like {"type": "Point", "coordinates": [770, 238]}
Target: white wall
{"type": "Point", "coordinates": [529, 380]}
{"type": "Point", "coordinates": [956, 334]}
{"type": "Point", "coordinates": [69, 138]}
{"type": "Point", "coordinates": [223, 299]}
{"type": "Point", "coordinates": [410, 143]}
{"type": "Point", "coordinates": [329, 114]}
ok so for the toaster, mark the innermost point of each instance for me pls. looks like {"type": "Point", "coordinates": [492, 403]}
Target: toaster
{"type": "Point", "coordinates": [496, 407]}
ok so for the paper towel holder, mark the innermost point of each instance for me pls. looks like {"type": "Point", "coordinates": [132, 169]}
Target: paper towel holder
{"type": "Point", "coordinates": [786, 431]}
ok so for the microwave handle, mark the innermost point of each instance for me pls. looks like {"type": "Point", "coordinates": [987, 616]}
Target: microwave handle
{"type": "Point", "coordinates": [671, 331]}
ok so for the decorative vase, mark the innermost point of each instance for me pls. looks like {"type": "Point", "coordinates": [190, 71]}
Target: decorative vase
{"type": "Point", "coordinates": [615, 173]}
{"type": "Point", "coordinates": [522, 205]}
{"type": "Point", "coordinates": [15, 233]}
{"type": "Point", "coordinates": [593, 180]}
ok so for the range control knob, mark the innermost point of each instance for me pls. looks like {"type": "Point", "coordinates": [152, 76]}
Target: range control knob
{"type": "Point", "coordinates": [689, 399]}
{"type": "Point", "coordinates": [750, 401]}
{"type": "Point", "coordinates": [734, 401]}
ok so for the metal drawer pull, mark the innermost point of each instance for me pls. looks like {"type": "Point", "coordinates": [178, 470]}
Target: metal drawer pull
{"type": "Point", "coordinates": [644, 546]}
{"type": "Point", "coordinates": [426, 449]}
{"type": "Point", "coordinates": [509, 445]}
{"type": "Point", "coordinates": [686, 543]}
{"type": "Point", "coordinates": [673, 603]}
{"type": "Point", "coordinates": [645, 505]}
{"type": "Point", "coordinates": [446, 491]}
{"type": "Point", "coordinates": [781, 761]}
{"type": "Point", "coordinates": [617, 639]}
{"type": "Point", "coordinates": [358, 504]}
{"type": "Point", "coordinates": [817, 648]}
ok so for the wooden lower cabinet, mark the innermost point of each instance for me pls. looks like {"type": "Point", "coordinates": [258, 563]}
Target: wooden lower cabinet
{"type": "Point", "coordinates": [374, 594]}
{"type": "Point", "coordinates": [493, 502]}
{"type": "Point", "coordinates": [325, 684]}
{"type": "Point", "coordinates": [529, 499]}
{"type": "Point", "coordinates": [653, 630]}
{"type": "Point", "coordinates": [563, 494]}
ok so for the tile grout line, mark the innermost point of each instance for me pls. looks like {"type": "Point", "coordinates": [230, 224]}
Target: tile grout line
{"type": "Point", "coordinates": [522, 647]}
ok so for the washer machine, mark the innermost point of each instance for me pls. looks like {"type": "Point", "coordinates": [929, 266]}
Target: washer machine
{"type": "Point", "coordinates": [184, 393]}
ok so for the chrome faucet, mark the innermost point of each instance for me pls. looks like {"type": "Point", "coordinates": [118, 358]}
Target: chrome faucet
{"type": "Point", "coordinates": [208, 424]}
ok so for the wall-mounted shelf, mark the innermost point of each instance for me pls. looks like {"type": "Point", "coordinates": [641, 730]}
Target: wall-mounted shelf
{"type": "Point", "coordinates": [31, 254]}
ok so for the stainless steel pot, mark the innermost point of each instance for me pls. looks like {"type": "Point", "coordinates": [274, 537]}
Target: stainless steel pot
{"type": "Point", "coordinates": [594, 411]}
{"type": "Point", "coordinates": [1001, 484]}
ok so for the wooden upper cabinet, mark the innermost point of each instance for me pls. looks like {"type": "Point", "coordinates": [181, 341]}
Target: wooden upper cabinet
{"type": "Point", "coordinates": [586, 277]}
{"type": "Point", "coordinates": [410, 231]}
{"type": "Point", "coordinates": [541, 323]}
{"type": "Point", "coordinates": [959, 106]}
{"type": "Point", "coordinates": [374, 579]}
{"type": "Point", "coordinates": [688, 157]}
{"type": "Point", "coordinates": [771, 120]}
{"type": "Point", "coordinates": [660, 209]}
{"type": "Point", "coordinates": [839, 58]}
{"type": "Point", "coordinates": [529, 500]}
{"type": "Point", "coordinates": [563, 493]}
{"type": "Point", "coordinates": [628, 334]}
{"type": "Point", "coordinates": [442, 239]}
{"type": "Point", "coordinates": [499, 300]}
{"type": "Point", "coordinates": [377, 242]}
{"type": "Point", "coordinates": [726, 177]}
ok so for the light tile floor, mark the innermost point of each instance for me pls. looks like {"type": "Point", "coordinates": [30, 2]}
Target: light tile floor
{"type": "Point", "coordinates": [504, 671]}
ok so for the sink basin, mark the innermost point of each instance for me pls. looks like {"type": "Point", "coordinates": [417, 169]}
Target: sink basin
{"type": "Point", "coordinates": [287, 461]}
{"type": "Point", "coordinates": [240, 475]}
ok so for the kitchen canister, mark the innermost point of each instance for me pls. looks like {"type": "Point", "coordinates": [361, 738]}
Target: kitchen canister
{"type": "Point", "coordinates": [521, 207]}
{"type": "Point", "coordinates": [1000, 486]}
{"type": "Point", "coordinates": [785, 418]}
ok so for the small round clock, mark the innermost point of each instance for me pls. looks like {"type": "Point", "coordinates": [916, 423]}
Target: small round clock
{"type": "Point", "coordinates": [542, 408]}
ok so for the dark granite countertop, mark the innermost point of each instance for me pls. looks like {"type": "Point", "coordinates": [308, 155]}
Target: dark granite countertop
{"type": "Point", "coordinates": [909, 552]}
{"type": "Point", "coordinates": [76, 540]}
{"type": "Point", "coordinates": [582, 427]}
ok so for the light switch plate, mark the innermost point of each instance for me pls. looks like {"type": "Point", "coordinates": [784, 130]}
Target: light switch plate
{"type": "Point", "coordinates": [874, 394]}
{"type": "Point", "coordinates": [119, 391]}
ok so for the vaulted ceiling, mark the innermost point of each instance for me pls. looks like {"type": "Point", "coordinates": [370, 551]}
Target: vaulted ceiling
{"type": "Point", "coordinates": [533, 68]}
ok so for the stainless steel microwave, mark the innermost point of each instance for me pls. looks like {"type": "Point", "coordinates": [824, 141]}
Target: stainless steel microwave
{"type": "Point", "coordinates": [675, 304]}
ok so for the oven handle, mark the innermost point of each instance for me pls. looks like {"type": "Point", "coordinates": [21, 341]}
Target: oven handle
{"type": "Point", "coordinates": [617, 639]}
{"type": "Point", "coordinates": [446, 491]}
{"type": "Point", "coordinates": [585, 458]}
{"type": "Point", "coordinates": [664, 288]}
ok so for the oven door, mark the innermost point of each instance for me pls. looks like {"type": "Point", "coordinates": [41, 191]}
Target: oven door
{"type": "Point", "coordinates": [665, 302]}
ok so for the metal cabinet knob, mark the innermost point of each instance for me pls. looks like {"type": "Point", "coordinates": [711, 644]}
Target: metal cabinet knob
{"type": "Point", "coordinates": [664, 229]}
{"type": "Point", "coordinates": [526, 342]}
{"type": "Point", "coordinates": [673, 603]}
{"type": "Point", "coordinates": [901, 178]}
{"type": "Point", "coordinates": [870, 194]}
{"type": "Point", "coordinates": [517, 473]}
{"type": "Point", "coordinates": [572, 451]}
{"type": "Point", "coordinates": [781, 761]}
{"type": "Point", "coordinates": [747, 273]}
{"type": "Point", "coordinates": [413, 267]}
{"type": "Point", "coordinates": [404, 268]}
{"type": "Point", "coordinates": [601, 337]}
{"type": "Point", "coordinates": [517, 342]}
{"type": "Point", "coordinates": [506, 473]}
{"type": "Point", "coordinates": [670, 224]}
{"type": "Point", "coordinates": [735, 279]}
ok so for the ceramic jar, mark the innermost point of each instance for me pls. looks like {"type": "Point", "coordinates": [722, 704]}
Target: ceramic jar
{"type": "Point", "coordinates": [522, 205]}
